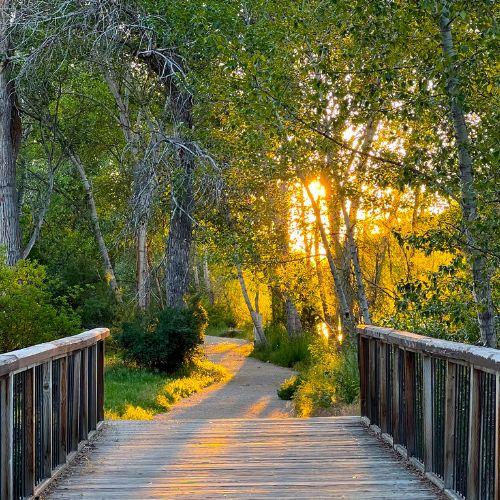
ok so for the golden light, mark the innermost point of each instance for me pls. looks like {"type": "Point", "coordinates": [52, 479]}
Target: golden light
{"type": "Point", "coordinates": [323, 329]}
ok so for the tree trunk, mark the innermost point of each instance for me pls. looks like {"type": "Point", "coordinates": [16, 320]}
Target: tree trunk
{"type": "Point", "coordinates": [480, 274]}
{"type": "Point", "coordinates": [321, 281]}
{"type": "Point", "coordinates": [260, 336]}
{"type": "Point", "coordinates": [346, 317]}
{"type": "Point", "coordinates": [142, 277]}
{"type": "Point", "coordinates": [108, 267]}
{"type": "Point", "coordinates": [10, 134]}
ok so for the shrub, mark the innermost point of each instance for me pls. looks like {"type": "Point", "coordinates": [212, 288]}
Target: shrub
{"type": "Point", "coordinates": [281, 349]}
{"type": "Point", "coordinates": [289, 387]}
{"type": "Point", "coordinates": [331, 379]}
{"type": "Point", "coordinates": [29, 313]}
{"type": "Point", "coordinates": [165, 341]}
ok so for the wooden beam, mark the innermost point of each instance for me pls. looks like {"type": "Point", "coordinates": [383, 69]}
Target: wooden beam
{"type": "Point", "coordinates": [395, 396]}
{"type": "Point", "coordinates": [29, 429]}
{"type": "Point", "coordinates": [63, 415]}
{"type": "Point", "coordinates": [497, 436]}
{"type": "Point", "coordinates": [449, 425]}
{"type": "Point", "coordinates": [100, 381]}
{"type": "Point", "coordinates": [427, 408]}
{"type": "Point", "coordinates": [84, 396]}
{"type": "Point", "coordinates": [6, 404]}
{"type": "Point", "coordinates": [47, 418]}
{"type": "Point", "coordinates": [409, 417]}
{"type": "Point", "coordinates": [474, 436]}
{"type": "Point", "coordinates": [383, 386]}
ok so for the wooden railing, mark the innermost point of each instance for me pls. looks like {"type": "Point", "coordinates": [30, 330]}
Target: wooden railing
{"type": "Point", "coordinates": [51, 401]}
{"type": "Point", "coordinates": [438, 404]}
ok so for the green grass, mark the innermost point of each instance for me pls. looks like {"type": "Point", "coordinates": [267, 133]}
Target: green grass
{"type": "Point", "coordinates": [133, 393]}
{"type": "Point", "coordinates": [283, 351]}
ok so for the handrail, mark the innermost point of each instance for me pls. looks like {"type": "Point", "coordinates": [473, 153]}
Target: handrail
{"type": "Point", "coordinates": [51, 402]}
{"type": "Point", "coordinates": [438, 403]}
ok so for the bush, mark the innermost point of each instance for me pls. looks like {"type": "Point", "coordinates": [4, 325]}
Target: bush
{"type": "Point", "coordinates": [331, 379]}
{"type": "Point", "coordinates": [166, 341]}
{"type": "Point", "coordinates": [29, 313]}
{"type": "Point", "coordinates": [289, 387]}
{"type": "Point", "coordinates": [281, 349]}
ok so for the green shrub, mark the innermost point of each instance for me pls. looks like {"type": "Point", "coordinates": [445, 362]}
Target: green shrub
{"type": "Point", "coordinates": [289, 387]}
{"type": "Point", "coordinates": [331, 379]}
{"type": "Point", "coordinates": [29, 313]}
{"type": "Point", "coordinates": [165, 341]}
{"type": "Point", "coordinates": [281, 349]}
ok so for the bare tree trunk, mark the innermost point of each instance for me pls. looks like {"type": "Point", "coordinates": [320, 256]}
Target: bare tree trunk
{"type": "Point", "coordinates": [321, 281]}
{"type": "Point", "coordinates": [10, 134]}
{"type": "Point", "coordinates": [108, 267]}
{"type": "Point", "coordinates": [260, 336]}
{"type": "Point", "coordinates": [360, 286]}
{"type": "Point", "coordinates": [346, 317]}
{"type": "Point", "coordinates": [142, 278]}
{"type": "Point", "coordinates": [480, 273]}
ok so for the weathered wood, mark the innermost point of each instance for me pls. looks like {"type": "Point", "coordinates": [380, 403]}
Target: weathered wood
{"type": "Point", "coordinates": [100, 381]}
{"type": "Point", "coordinates": [449, 424]}
{"type": "Point", "coordinates": [497, 436]}
{"type": "Point", "coordinates": [474, 436]}
{"type": "Point", "coordinates": [395, 397]}
{"type": "Point", "coordinates": [481, 357]}
{"type": "Point", "coordinates": [372, 388]}
{"type": "Point", "coordinates": [76, 401]}
{"type": "Point", "coordinates": [84, 396]}
{"type": "Point", "coordinates": [240, 458]}
{"type": "Point", "coordinates": [383, 386]}
{"type": "Point", "coordinates": [363, 379]}
{"type": "Point", "coordinates": [29, 402]}
{"type": "Point", "coordinates": [427, 413]}
{"type": "Point", "coordinates": [23, 358]}
{"type": "Point", "coordinates": [47, 418]}
{"type": "Point", "coordinates": [6, 404]}
{"type": "Point", "coordinates": [63, 422]}
{"type": "Point", "coordinates": [409, 417]}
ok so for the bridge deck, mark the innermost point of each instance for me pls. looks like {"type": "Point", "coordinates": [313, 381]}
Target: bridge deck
{"type": "Point", "coordinates": [240, 458]}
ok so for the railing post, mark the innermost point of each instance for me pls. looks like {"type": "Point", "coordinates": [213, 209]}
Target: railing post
{"type": "Point", "coordinates": [409, 363]}
{"type": "Point", "coordinates": [75, 424]}
{"type": "Point", "coordinates": [497, 436]}
{"type": "Point", "coordinates": [372, 343]}
{"type": "Point", "coordinates": [29, 395]}
{"type": "Point", "coordinates": [84, 396]}
{"type": "Point", "coordinates": [47, 418]}
{"type": "Point", "coordinates": [395, 396]}
{"type": "Point", "coordinates": [427, 407]}
{"type": "Point", "coordinates": [449, 424]}
{"type": "Point", "coordinates": [100, 381]}
{"type": "Point", "coordinates": [383, 386]}
{"type": "Point", "coordinates": [474, 435]}
{"type": "Point", "coordinates": [6, 406]}
{"type": "Point", "coordinates": [63, 419]}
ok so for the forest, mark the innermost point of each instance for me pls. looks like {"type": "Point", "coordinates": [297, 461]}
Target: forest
{"type": "Point", "coordinates": [277, 170]}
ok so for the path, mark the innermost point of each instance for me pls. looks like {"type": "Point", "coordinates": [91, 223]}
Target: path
{"type": "Point", "coordinates": [200, 451]}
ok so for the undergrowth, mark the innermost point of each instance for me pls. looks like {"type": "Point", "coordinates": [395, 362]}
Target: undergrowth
{"type": "Point", "coordinates": [134, 393]}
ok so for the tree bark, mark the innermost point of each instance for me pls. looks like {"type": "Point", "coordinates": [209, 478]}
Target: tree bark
{"type": "Point", "coordinates": [142, 276]}
{"type": "Point", "coordinates": [260, 336]}
{"type": "Point", "coordinates": [480, 273]}
{"type": "Point", "coordinates": [346, 316]}
{"type": "Point", "coordinates": [10, 134]}
{"type": "Point", "coordinates": [108, 267]}
{"type": "Point", "coordinates": [321, 281]}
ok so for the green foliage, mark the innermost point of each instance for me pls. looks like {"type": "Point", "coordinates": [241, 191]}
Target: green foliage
{"type": "Point", "coordinates": [220, 317]}
{"type": "Point", "coordinates": [281, 349]}
{"type": "Point", "coordinates": [289, 387]}
{"type": "Point", "coordinates": [134, 393]}
{"type": "Point", "coordinates": [29, 313]}
{"type": "Point", "coordinates": [165, 341]}
{"type": "Point", "coordinates": [331, 379]}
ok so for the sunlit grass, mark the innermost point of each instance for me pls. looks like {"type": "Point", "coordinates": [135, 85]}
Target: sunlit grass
{"type": "Point", "coordinates": [133, 393]}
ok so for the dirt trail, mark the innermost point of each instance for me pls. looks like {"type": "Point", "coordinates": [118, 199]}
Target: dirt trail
{"type": "Point", "coordinates": [251, 393]}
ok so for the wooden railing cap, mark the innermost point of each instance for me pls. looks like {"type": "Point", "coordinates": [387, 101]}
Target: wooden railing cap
{"type": "Point", "coordinates": [482, 357]}
{"type": "Point", "coordinates": [17, 360]}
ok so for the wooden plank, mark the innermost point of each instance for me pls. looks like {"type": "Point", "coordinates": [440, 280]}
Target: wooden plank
{"type": "Point", "coordinates": [409, 417]}
{"type": "Point", "coordinates": [474, 436]}
{"type": "Point", "coordinates": [449, 425]}
{"type": "Point", "coordinates": [481, 357]}
{"type": "Point", "coordinates": [63, 421]}
{"type": "Point", "coordinates": [93, 385]}
{"type": "Point", "coordinates": [383, 386]}
{"type": "Point", "coordinates": [100, 381]}
{"type": "Point", "coordinates": [84, 396]}
{"type": "Point", "coordinates": [395, 396]}
{"type": "Point", "coordinates": [372, 388]}
{"type": "Point", "coordinates": [47, 418]}
{"type": "Point", "coordinates": [6, 403]}
{"type": "Point", "coordinates": [29, 423]}
{"type": "Point", "coordinates": [76, 400]}
{"type": "Point", "coordinates": [497, 437]}
{"type": "Point", "coordinates": [427, 409]}
{"type": "Point", "coordinates": [362, 359]}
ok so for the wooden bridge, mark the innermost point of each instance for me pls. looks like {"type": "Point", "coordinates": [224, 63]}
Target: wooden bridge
{"type": "Point", "coordinates": [430, 426]}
